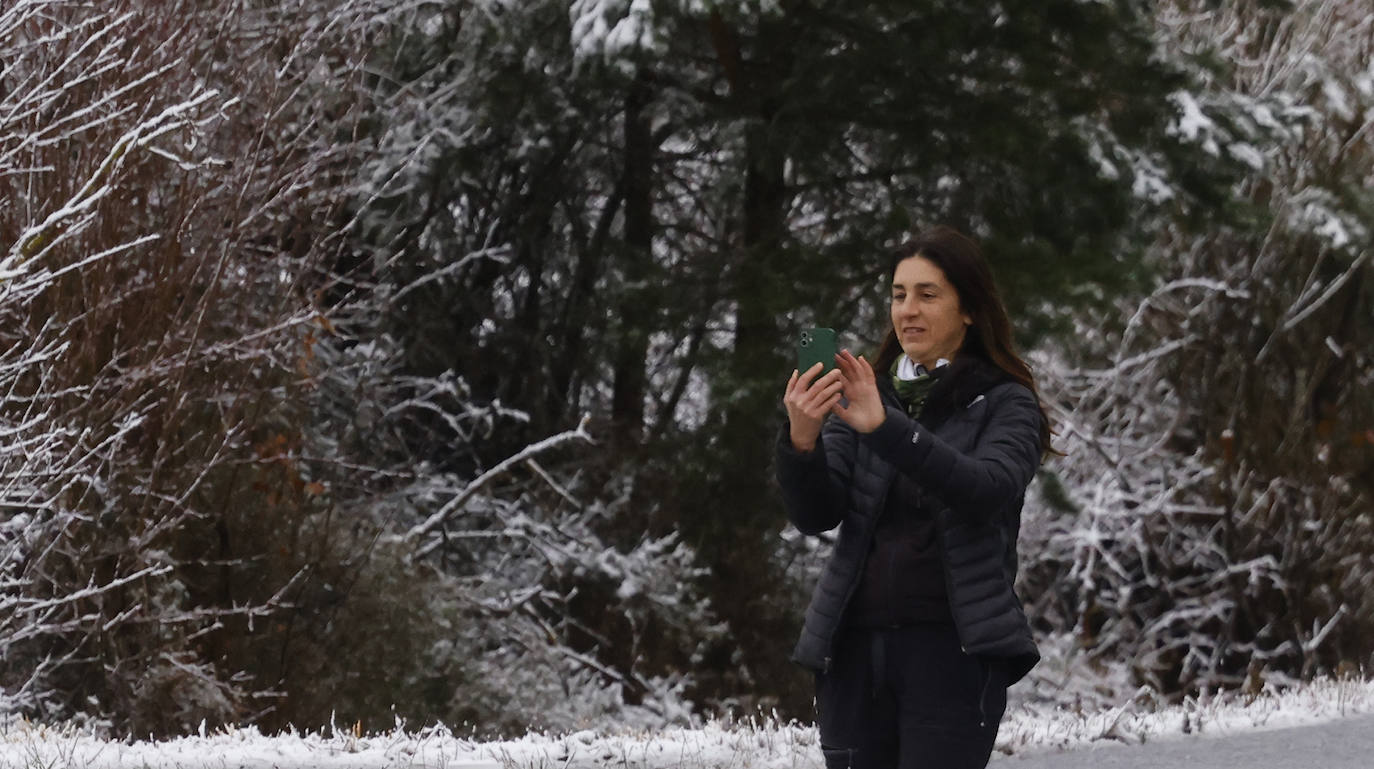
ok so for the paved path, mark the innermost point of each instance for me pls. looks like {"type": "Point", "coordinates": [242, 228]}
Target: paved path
{"type": "Point", "coordinates": [1344, 744]}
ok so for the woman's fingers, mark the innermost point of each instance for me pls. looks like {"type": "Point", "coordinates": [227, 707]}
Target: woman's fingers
{"type": "Point", "coordinates": [865, 370]}
{"type": "Point", "coordinates": [845, 364]}
{"type": "Point", "coordinates": [842, 362]}
{"type": "Point", "coordinates": [855, 369]}
{"type": "Point", "coordinates": [804, 381]}
{"type": "Point", "coordinates": [828, 405]}
{"type": "Point", "coordinates": [825, 381]}
{"type": "Point", "coordinates": [850, 366]}
{"type": "Point", "coordinates": [808, 377]}
{"type": "Point", "coordinates": [811, 396]}
{"type": "Point", "coordinates": [816, 400]}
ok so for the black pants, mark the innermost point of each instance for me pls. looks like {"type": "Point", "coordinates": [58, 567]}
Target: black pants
{"type": "Point", "coordinates": [908, 698]}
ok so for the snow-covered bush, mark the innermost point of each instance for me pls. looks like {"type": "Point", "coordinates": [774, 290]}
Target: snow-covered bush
{"type": "Point", "coordinates": [525, 612]}
{"type": "Point", "coordinates": [154, 164]}
{"type": "Point", "coordinates": [229, 493]}
{"type": "Point", "coordinates": [1212, 522]}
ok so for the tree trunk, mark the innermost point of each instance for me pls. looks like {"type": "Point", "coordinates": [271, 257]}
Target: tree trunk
{"type": "Point", "coordinates": [635, 309]}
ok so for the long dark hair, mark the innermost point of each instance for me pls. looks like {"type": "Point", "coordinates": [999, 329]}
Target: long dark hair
{"type": "Point", "coordinates": [990, 335]}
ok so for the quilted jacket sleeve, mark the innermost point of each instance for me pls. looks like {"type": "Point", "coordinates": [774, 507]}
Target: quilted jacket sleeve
{"type": "Point", "coordinates": [988, 478]}
{"type": "Point", "coordinates": [815, 483]}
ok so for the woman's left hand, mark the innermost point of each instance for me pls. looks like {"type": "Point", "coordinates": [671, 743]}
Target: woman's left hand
{"type": "Point", "coordinates": [865, 410]}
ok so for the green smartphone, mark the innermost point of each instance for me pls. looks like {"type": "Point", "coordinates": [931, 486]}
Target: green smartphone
{"type": "Point", "coordinates": [816, 345]}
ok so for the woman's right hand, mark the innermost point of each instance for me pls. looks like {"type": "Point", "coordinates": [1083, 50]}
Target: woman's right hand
{"type": "Point", "coordinates": [808, 400]}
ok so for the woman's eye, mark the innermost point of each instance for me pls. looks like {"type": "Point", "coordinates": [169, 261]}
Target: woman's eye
{"type": "Point", "coordinates": [898, 297]}
{"type": "Point", "coordinates": [927, 297]}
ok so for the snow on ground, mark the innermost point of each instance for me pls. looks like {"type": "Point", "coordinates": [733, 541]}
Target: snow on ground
{"type": "Point", "coordinates": [1034, 729]}
{"type": "Point", "coordinates": [749, 743]}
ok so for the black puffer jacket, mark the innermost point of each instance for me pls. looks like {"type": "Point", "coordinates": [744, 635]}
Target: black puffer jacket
{"type": "Point", "coordinates": [973, 452]}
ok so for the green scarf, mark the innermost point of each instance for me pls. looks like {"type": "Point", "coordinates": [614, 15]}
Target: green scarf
{"type": "Point", "coordinates": [913, 392]}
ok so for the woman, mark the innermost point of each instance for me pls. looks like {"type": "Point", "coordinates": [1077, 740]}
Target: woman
{"type": "Point", "coordinates": [914, 631]}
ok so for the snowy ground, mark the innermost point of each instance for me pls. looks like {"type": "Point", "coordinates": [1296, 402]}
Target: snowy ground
{"type": "Point", "coordinates": [1028, 729]}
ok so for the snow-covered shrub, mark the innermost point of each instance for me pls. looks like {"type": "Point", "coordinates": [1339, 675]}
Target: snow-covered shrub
{"type": "Point", "coordinates": [154, 166]}
{"type": "Point", "coordinates": [228, 493]}
{"type": "Point", "coordinates": [1212, 523]}
{"type": "Point", "coordinates": [519, 611]}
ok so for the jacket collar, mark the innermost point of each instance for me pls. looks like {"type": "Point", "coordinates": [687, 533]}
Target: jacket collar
{"type": "Point", "coordinates": [967, 377]}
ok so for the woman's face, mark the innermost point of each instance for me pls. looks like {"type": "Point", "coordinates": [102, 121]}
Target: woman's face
{"type": "Point", "coordinates": [925, 312]}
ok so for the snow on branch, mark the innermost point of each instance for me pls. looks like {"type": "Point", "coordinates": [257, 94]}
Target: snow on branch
{"type": "Point", "coordinates": [534, 449]}
{"type": "Point", "coordinates": [1296, 314]}
{"type": "Point", "coordinates": [35, 240]}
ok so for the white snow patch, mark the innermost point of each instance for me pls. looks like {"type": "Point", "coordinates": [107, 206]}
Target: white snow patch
{"type": "Point", "coordinates": [1247, 154]}
{"type": "Point", "coordinates": [761, 743]}
{"type": "Point", "coordinates": [1149, 181]}
{"type": "Point", "coordinates": [1105, 168]}
{"type": "Point", "coordinates": [1326, 224]}
{"type": "Point", "coordinates": [1337, 99]}
{"type": "Point", "coordinates": [611, 27]}
{"type": "Point", "coordinates": [1141, 720]}
{"type": "Point", "coordinates": [1191, 121]}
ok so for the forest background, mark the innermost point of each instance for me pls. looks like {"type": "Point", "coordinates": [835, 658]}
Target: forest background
{"type": "Point", "coordinates": [422, 359]}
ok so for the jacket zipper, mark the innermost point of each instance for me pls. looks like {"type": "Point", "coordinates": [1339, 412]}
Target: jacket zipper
{"type": "Point", "coordinates": [983, 695]}
{"type": "Point", "coordinates": [949, 579]}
